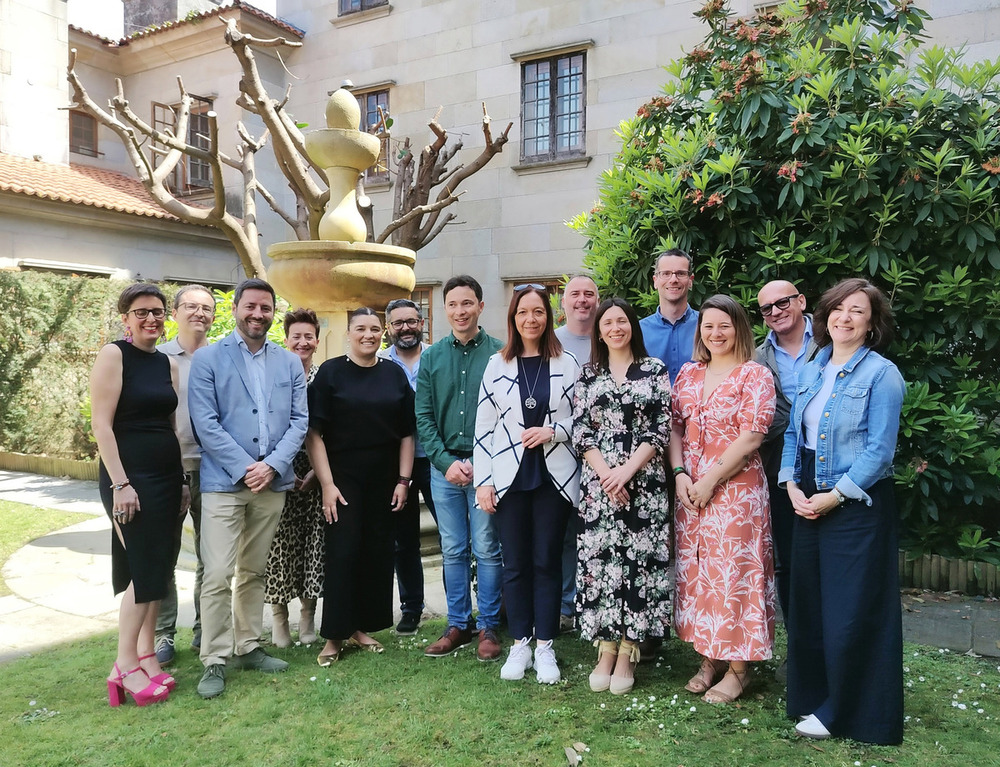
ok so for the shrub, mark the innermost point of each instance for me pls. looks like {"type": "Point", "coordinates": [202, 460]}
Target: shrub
{"type": "Point", "coordinates": [823, 142]}
{"type": "Point", "coordinates": [50, 331]}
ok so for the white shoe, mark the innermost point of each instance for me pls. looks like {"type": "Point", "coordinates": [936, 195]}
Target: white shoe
{"type": "Point", "coordinates": [545, 663]}
{"type": "Point", "coordinates": [518, 661]}
{"type": "Point", "coordinates": [811, 727]}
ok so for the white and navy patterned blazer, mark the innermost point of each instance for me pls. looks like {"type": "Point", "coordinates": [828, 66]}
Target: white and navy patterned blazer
{"type": "Point", "coordinates": [499, 425]}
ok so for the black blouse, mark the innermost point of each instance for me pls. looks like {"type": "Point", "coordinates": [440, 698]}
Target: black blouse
{"type": "Point", "coordinates": [361, 408]}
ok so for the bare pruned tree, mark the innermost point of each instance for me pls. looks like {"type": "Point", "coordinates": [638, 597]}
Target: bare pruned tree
{"type": "Point", "coordinates": [416, 219]}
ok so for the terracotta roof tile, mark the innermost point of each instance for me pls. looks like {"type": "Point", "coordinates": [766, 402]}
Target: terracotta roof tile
{"type": "Point", "coordinates": [79, 184]}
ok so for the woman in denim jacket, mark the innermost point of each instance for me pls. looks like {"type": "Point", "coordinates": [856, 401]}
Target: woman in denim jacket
{"type": "Point", "coordinates": [845, 642]}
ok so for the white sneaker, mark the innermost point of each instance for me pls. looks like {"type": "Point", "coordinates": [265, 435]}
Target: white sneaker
{"type": "Point", "coordinates": [545, 663]}
{"type": "Point", "coordinates": [518, 661]}
{"type": "Point", "coordinates": [811, 727]}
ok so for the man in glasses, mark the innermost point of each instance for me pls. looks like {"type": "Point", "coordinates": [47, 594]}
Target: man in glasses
{"type": "Point", "coordinates": [194, 313]}
{"type": "Point", "coordinates": [788, 346]}
{"type": "Point", "coordinates": [451, 372]}
{"type": "Point", "coordinates": [406, 331]}
{"type": "Point", "coordinates": [669, 331]}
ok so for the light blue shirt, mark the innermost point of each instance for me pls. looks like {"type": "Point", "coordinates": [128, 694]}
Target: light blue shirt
{"type": "Point", "coordinates": [411, 376]}
{"type": "Point", "coordinates": [789, 367]}
{"type": "Point", "coordinates": [670, 342]}
{"type": "Point", "coordinates": [256, 364]}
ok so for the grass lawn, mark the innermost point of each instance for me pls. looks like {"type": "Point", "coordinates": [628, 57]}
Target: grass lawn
{"type": "Point", "coordinates": [403, 709]}
{"type": "Point", "coordinates": [20, 523]}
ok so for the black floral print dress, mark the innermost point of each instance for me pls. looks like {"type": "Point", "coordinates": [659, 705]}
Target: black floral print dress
{"type": "Point", "coordinates": [623, 587]}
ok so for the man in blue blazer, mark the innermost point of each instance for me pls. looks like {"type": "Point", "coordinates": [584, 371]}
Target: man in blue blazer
{"type": "Point", "coordinates": [247, 401]}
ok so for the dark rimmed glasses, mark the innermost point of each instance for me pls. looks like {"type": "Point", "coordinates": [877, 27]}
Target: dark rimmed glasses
{"type": "Point", "coordinates": [781, 304]}
{"type": "Point", "coordinates": [410, 322]}
{"type": "Point", "coordinates": [141, 314]}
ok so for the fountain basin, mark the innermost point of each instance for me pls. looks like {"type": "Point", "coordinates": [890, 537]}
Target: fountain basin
{"type": "Point", "coordinates": [334, 277]}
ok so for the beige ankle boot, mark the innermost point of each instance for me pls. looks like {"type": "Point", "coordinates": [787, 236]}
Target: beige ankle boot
{"type": "Point", "coordinates": [280, 635]}
{"type": "Point", "coordinates": [307, 621]}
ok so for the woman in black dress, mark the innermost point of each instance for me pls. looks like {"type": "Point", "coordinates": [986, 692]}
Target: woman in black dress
{"type": "Point", "coordinates": [133, 395]}
{"type": "Point", "coordinates": [360, 443]}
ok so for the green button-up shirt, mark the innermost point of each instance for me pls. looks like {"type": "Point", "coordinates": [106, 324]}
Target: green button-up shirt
{"type": "Point", "coordinates": [447, 396]}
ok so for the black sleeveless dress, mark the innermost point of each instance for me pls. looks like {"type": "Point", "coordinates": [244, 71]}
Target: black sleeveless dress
{"type": "Point", "coordinates": [151, 457]}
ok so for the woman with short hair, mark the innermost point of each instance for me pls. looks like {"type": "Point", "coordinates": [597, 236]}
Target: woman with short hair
{"type": "Point", "coordinates": [295, 562]}
{"type": "Point", "coordinates": [133, 395]}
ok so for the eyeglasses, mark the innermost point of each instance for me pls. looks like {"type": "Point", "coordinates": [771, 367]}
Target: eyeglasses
{"type": "Point", "coordinates": [142, 314]}
{"type": "Point", "coordinates": [412, 322]}
{"type": "Point", "coordinates": [680, 274]}
{"type": "Point", "coordinates": [532, 285]}
{"type": "Point", "coordinates": [781, 304]}
{"type": "Point", "coordinates": [192, 307]}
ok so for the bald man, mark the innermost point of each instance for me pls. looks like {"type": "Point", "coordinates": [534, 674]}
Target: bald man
{"type": "Point", "coordinates": [786, 349]}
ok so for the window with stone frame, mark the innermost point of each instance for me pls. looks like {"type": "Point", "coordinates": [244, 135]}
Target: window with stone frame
{"type": "Point", "coordinates": [423, 297]}
{"type": "Point", "coordinates": [191, 175]}
{"type": "Point", "coordinates": [82, 133]}
{"type": "Point", "coordinates": [371, 102]}
{"type": "Point", "coordinates": [553, 107]}
{"type": "Point", "coordinates": [355, 6]}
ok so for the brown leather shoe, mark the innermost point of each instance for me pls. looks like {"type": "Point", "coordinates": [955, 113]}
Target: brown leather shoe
{"type": "Point", "coordinates": [452, 639]}
{"type": "Point", "coordinates": [489, 645]}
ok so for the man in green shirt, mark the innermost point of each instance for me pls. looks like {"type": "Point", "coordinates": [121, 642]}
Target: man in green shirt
{"type": "Point", "coordinates": [451, 372]}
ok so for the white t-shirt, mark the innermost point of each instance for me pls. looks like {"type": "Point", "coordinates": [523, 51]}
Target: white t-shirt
{"type": "Point", "coordinates": [817, 405]}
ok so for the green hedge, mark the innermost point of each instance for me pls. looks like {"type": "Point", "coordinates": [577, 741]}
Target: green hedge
{"type": "Point", "coordinates": [799, 146]}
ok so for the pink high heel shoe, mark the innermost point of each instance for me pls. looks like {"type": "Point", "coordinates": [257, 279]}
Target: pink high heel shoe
{"type": "Point", "coordinates": [162, 678]}
{"type": "Point", "coordinates": [152, 693]}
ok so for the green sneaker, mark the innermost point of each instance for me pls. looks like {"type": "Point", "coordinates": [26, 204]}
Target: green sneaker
{"type": "Point", "coordinates": [258, 660]}
{"type": "Point", "coordinates": [213, 681]}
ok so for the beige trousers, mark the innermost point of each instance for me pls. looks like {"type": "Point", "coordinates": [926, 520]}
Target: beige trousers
{"type": "Point", "coordinates": [236, 533]}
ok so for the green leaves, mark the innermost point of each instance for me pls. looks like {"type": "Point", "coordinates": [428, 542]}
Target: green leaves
{"type": "Point", "coordinates": [812, 155]}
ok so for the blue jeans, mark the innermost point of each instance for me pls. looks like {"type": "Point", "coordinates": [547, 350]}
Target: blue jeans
{"type": "Point", "coordinates": [461, 524]}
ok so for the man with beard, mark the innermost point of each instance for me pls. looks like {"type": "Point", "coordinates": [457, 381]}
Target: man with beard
{"type": "Point", "coordinates": [579, 303]}
{"type": "Point", "coordinates": [247, 400]}
{"type": "Point", "coordinates": [405, 326]}
{"type": "Point", "coordinates": [194, 312]}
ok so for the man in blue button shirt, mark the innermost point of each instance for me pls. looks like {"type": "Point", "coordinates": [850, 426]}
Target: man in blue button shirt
{"type": "Point", "coordinates": [669, 331]}
{"type": "Point", "coordinates": [788, 347]}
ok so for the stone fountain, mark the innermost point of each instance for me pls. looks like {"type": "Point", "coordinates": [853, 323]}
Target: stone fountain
{"type": "Point", "coordinates": [340, 271]}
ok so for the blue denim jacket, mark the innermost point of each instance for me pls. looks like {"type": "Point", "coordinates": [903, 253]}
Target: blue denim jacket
{"type": "Point", "coordinates": [858, 428]}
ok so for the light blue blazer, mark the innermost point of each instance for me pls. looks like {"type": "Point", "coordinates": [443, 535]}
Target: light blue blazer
{"type": "Point", "coordinates": [224, 418]}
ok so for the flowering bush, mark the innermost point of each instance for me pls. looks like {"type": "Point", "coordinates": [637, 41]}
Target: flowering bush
{"type": "Point", "coordinates": [820, 142]}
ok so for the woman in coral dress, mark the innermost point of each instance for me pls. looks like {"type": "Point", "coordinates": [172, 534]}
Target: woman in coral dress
{"type": "Point", "coordinates": [723, 404]}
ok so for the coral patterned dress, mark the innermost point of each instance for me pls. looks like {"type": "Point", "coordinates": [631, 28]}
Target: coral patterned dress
{"type": "Point", "coordinates": [724, 568]}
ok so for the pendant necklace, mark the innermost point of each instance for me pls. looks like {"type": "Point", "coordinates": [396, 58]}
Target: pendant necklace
{"type": "Point", "coordinates": [530, 402]}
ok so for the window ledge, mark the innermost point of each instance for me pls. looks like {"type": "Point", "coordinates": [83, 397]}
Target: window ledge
{"type": "Point", "coordinates": [357, 17]}
{"type": "Point", "coordinates": [377, 186]}
{"type": "Point", "coordinates": [548, 166]}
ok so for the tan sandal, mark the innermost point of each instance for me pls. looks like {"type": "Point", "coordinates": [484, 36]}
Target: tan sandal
{"type": "Point", "coordinates": [718, 696]}
{"type": "Point", "coordinates": [622, 685]}
{"type": "Point", "coordinates": [326, 658]}
{"type": "Point", "coordinates": [372, 646]}
{"type": "Point", "coordinates": [706, 676]}
{"type": "Point", "coordinates": [601, 682]}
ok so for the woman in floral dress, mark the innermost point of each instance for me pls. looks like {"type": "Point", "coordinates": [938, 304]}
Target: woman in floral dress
{"type": "Point", "coordinates": [621, 428]}
{"type": "Point", "coordinates": [723, 404]}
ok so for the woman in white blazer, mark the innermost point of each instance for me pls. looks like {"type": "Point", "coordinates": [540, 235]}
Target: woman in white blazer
{"type": "Point", "coordinates": [527, 473]}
